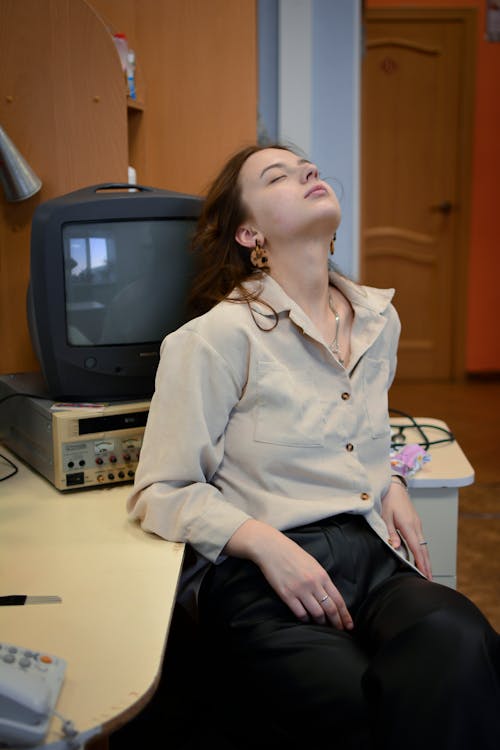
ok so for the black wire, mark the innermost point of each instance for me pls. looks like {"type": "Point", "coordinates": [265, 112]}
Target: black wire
{"type": "Point", "coordinates": [11, 463]}
{"type": "Point", "coordinates": [419, 427]}
{"type": "Point", "coordinates": [7, 460]}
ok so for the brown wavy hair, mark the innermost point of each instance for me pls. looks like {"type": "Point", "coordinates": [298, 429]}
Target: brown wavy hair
{"type": "Point", "coordinates": [222, 264]}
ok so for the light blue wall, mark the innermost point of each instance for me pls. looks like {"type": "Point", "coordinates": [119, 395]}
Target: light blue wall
{"type": "Point", "coordinates": [268, 69]}
{"type": "Point", "coordinates": [309, 89]}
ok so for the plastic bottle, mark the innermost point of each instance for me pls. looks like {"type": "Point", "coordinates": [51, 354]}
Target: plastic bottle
{"type": "Point", "coordinates": [131, 74]}
{"type": "Point", "coordinates": [122, 47]}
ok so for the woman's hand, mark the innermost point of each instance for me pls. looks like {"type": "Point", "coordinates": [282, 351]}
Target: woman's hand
{"type": "Point", "coordinates": [398, 513]}
{"type": "Point", "coordinates": [298, 579]}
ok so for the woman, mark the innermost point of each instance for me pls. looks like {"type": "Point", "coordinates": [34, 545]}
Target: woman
{"type": "Point", "coordinates": [267, 451]}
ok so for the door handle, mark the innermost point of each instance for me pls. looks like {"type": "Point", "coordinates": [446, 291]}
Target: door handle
{"type": "Point", "coordinates": [445, 207]}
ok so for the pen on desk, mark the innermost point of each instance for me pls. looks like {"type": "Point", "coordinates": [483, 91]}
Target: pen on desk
{"type": "Point", "coordinates": [16, 599]}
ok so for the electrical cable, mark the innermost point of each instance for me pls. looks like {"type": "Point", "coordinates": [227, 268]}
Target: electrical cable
{"type": "Point", "coordinates": [12, 464]}
{"type": "Point", "coordinates": [71, 734]}
{"type": "Point", "coordinates": [7, 460]}
{"type": "Point", "coordinates": [398, 437]}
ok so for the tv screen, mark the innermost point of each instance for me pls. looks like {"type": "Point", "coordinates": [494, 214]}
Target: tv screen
{"type": "Point", "coordinates": [119, 276]}
{"type": "Point", "coordinates": [110, 274]}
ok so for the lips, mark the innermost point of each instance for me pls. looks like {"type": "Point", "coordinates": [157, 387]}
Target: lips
{"type": "Point", "coordinates": [317, 189]}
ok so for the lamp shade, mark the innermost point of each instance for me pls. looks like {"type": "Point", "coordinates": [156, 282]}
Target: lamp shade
{"type": "Point", "coordinates": [16, 176]}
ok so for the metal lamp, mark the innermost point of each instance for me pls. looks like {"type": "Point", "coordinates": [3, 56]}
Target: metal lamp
{"type": "Point", "coordinates": [18, 179]}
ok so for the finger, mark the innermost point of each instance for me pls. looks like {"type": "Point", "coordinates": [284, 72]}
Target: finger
{"type": "Point", "coordinates": [335, 609]}
{"type": "Point", "coordinates": [298, 610]}
{"type": "Point", "coordinates": [393, 539]}
{"type": "Point", "coordinates": [322, 608]}
{"type": "Point", "coordinates": [422, 559]}
{"type": "Point", "coordinates": [418, 546]}
{"type": "Point", "coordinates": [315, 609]}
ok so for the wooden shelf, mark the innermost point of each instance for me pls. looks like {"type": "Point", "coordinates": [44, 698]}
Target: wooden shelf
{"type": "Point", "coordinates": [135, 104]}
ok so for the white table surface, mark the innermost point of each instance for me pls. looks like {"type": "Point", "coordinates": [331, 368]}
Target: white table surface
{"type": "Point", "coordinates": [117, 585]}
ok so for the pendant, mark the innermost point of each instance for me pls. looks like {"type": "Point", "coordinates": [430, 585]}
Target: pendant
{"type": "Point", "coordinates": [334, 348]}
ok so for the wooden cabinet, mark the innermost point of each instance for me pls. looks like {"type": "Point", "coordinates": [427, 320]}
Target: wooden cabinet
{"type": "Point", "coordinates": [63, 103]}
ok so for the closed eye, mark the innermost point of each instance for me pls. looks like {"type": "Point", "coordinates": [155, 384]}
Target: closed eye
{"type": "Point", "coordinates": [275, 179]}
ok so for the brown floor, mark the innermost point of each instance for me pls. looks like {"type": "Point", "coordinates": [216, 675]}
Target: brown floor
{"type": "Point", "coordinates": [472, 411]}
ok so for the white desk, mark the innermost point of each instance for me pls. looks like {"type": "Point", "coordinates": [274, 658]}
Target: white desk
{"type": "Point", "coordinates": [117, 585]}
{"type": "Point", "coordinates": [434, 492]}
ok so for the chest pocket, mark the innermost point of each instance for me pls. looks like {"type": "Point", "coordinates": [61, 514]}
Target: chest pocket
{"type": "Point", "coordinates": [289, 410]}
{"type": "Point", "coordinates": [375, 381]}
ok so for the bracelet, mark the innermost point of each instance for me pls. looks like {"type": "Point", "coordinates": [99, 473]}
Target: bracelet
{"type": "Point", "coordinates": [397, 478]}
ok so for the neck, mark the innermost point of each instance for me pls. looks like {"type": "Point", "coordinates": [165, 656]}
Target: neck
{"type": "Point", "coordinates": [305, 281]}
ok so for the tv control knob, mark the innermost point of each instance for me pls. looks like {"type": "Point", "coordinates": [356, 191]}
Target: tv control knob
{"type": "Point", "coordinates": [100, 478]}
{"type": "Point", "coordinates": [99, 461]}
{"type": "Point", "coordinates": [112, 459]}
{"type": "Point", "coordinates": [126, 457]}
{"type": "Point", "coordinates": [121, 474]}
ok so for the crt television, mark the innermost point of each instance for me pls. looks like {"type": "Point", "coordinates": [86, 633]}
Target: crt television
{"type": "Point", "coordinates": [110, 271]}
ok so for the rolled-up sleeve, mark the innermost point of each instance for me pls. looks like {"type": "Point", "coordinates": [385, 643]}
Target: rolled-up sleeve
{"type": "Point", "coordinates": [183, 446]}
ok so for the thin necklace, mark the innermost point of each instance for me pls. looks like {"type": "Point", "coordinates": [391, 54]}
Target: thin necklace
{"type": "Point", "coordinates": [334, 346]}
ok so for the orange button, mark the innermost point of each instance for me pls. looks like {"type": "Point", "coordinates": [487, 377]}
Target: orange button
{"type": "Point", "coordinates": [46, 659]}
{"type": "Point", "coordinates": [365, 496]}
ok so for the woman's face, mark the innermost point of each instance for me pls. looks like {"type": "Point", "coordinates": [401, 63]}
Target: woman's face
{"type": "Point", "coordinates": [285, 197]}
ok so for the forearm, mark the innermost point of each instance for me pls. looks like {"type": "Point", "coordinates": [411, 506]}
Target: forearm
{"type": "Point", "coordinates": [251, 539]}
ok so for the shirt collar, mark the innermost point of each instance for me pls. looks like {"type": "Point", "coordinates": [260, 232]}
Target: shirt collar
{"type": "Point", "coordinates": [368, 304]}
{"type": "Point", "coordinates": [270, 292]}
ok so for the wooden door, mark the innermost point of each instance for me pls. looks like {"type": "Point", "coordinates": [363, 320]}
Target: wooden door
{"type": "Point", "coordinates": [416, 145]}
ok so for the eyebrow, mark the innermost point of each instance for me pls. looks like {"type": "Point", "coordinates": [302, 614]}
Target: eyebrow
{"type": "Point", "coordinates": [282, 165]}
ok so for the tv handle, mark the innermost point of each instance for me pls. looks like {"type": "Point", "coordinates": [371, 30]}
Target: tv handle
{"type": "Point", "coordinates": [121, 186]}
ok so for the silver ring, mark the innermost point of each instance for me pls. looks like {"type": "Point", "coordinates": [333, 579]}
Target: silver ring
{"type": "Point", "coordinates": [422, 544]}
{"type": "Point", "coordinates": [324, 598]}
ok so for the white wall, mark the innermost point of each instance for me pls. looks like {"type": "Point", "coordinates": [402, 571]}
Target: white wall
{"type": "Point", "coordinates": [309, 96]}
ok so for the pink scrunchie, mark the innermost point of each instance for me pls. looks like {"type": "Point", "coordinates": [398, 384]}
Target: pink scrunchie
{"type": "Point", "coordinates": [409, 460]}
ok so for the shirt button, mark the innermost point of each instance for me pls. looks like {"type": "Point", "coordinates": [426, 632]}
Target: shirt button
{"type": "Point", "coordinates": [365, 496]}
{"type": "Point", "coordinates": [349, 447]}
{"type": "Point", "coordinates": [346, 396]}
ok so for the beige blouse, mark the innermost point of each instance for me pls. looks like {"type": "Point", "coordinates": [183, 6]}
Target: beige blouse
{"type": "Point", "coordinates": [253, 423]}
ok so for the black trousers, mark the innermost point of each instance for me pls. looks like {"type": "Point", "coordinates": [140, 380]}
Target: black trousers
{"type": "Point", "coordinates": [421, 669]}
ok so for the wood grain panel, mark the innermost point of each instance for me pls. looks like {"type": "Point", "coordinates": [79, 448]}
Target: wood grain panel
{"type": "Point", "coordinates": [201, 63]}
{"type": "Point", "coordinates": [197, 75]}
{"type": "Point", "coordinates": [62, 102]}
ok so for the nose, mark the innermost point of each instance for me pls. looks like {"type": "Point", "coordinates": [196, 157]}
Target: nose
{"type": "Point", "coordinates": [310, 172]}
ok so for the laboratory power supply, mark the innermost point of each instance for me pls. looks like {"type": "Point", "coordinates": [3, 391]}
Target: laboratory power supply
{"type": "Point", "coordinates": [73, 446]}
